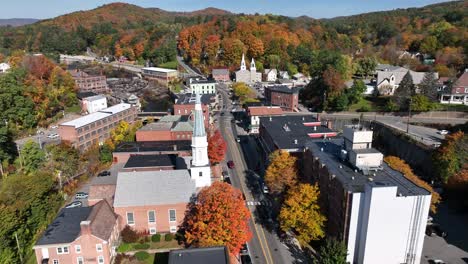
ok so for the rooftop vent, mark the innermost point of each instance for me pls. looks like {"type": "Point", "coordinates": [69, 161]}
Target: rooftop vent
{"type": "Point", "coordinates": [286, 128]}
{"type": "Point", "coordinates": [295, 141]}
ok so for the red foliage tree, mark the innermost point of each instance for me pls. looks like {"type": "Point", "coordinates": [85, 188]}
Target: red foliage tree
{"type": "Point", "coordinates": [218, 217]}
{"type": "Point", "coordinates": [216, 147]}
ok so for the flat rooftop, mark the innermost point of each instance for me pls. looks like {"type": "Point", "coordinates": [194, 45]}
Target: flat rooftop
{"type": "Point", "coordinates": [157, 126]}
{"type": "Point", "coordinates": [146, 161]}
{"type": "Point", "coordinates": [88, 119]}
{"type": "Point", "coordinates": [285, 129]}
{"type": "Point", "coordinates": [153, 146]}
{"type": "Point", "coordinates": [189, 98]}
{"type": "Point", "coordinates": [328, 152]}
{"type": "Point", "coordinates": [215, 255]}
{"type": "Point", "coordinates": [95, 98]}
{"type": "Point", "coordinates": [203, 81]}
{"type": "Point", "coordinates": [282, 89]}
{"type": "Point", "coordinates": [157, 69]}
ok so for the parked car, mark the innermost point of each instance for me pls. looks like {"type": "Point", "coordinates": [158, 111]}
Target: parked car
{"type": "Point", "coordinates": [104, 174]}
{"type": "Point", "coordinates": [40, 132]}
{"type": "Point", "coordinates": [227, 180]}
{"type": "Point", "coordinates": [238, 139]}
{"type": "Point", "coordinates": [74, 204]}
{"type": "Point", "coordinates": [435, 229]}
{"type": "Point", "coordinates": [265, 188]}
{"type": "Point", "coordinates": [436, 261]}
{"type": "Point", "coordinates": [53, 135]}
{"type": "Point", "coordinates": [81, 195]}
{"type": "Point", "coordinates": [230, 164]}
{"type": "Point", "coordinates": [442, 132]}
{"type": "Point", "coordinates": [225, 174]}
{"type": "Point", "coordinates": [245, 259]}
{"type": "Point", "coordinates": [54, 127]}
{"type": "Point", "coordinates": [244, 249]}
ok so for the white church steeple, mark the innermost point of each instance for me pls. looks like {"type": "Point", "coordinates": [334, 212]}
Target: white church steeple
{"type": "Point", "coordinates": [200, 169]}
{"type": "Point", "coordinates": [252, 66]}
{"type": "Point", "coordinates": [243, 67]}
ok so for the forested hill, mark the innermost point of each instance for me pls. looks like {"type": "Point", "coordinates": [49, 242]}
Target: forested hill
{"type": "Point", "coordinates": [16, 22]}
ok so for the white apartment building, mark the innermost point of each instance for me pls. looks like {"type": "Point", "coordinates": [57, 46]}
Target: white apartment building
{"type": "Point", "coordinates": [94, 104]}
{"type": "Point", "coordinates": [198, 86]}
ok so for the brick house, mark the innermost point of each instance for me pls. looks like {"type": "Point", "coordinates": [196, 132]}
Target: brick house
{"type": "Point", "coordinates": [94, 128]}
{"type": "Point", "coordinates": [79, 235]}
{"type": "Point", "coordinates": [168, 128]}
{"type": "Point", "coordinates": [88, 83]}
{"type": "Point", "coordinates": [220, 75]}
{"type": "Point", "coordinates": [283, 96]}
{"type": "Point", "coordinates": [459, 92]}
{"type": "Point", "coordinates": [153, 201]}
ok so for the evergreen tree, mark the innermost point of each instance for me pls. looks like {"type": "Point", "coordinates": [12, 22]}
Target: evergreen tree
{"type": "Point", "coordinates": [404, 92]}
{"type": "Point", "coordinates": [428, 86]}
{"type": "Point", "coordinates": [33, 156]}
{"type": "Point", "coordinates": [333, 252]}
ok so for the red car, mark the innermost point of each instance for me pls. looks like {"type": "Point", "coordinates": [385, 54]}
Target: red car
{"type": "Point", "coordinates": [230, 164]}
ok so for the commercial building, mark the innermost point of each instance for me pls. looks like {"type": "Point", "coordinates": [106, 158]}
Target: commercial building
{"type": "Point", "coordinates": [80, 235]}
{"type": "Point", "coordinates": [376, 211]}
{"type": "Point", "coordinates": [458, 94]}
{"type": "Point", "coordinates": [220, 75]}
{"type": "Point", "coordinates": [93, 104]}
{"type": "Point", "coordinates": [96, 127]}
{"type": "Point", "coordinates": [168, 128]}
{"type": "Point", "coordinates": [215, 255]}
{"type": "Point", "coordinates": [246, 76]}
{"type": "Point", "coordinates": [88, 83]}
{"type": "Point", "coordinates": [125, 150]}
{"type": "Point", "coordinates": [185, 105]}
{"type": "Point", "coordinates": [255, 112]}
{"type": "Point", "coordinates": [202, 86]}
{"type": "Point", "coordinates": [281, 95]}
{"type": "Point", "coordinates": [161, 75]}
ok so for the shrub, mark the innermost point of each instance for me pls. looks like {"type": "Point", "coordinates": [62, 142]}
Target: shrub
{"type": "Point", "coordinates": [129, 235]}
{"type": "Point", "coordinates": [141, 246]}
{"type": "Point", "coordinates": [168, 237]}
{"type": "Point", "coordinates": [156, 238]}
{"type": "Point", "coordinates": [120, 258]}
{"type": "Point", "coordinates": [142, 255]}
{"type": "Point", "coordinates": [364, 108]}
{"type": "Point", "coordinates": [124, 247]}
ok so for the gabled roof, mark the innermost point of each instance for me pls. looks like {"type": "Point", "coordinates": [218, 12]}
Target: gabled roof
{"type": "Point", "coordinates": [462, 81]}
{"type": "Point", "coordinates": [220, 72]}
{"type": "Point", "coordinates": [386, 75]}
{"type": "Point", "coordinates": [143, 188]}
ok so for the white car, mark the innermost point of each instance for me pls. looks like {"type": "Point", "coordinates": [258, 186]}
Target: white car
{"type": "Point", "coordinates": [52, 136]}
{"type": "Point", "coordinates": [74, 204]}
{"type": "Point", "coordinates": [265, 189]}
{"type": "Point", "coordinates": [442, 132]}
{"type": "Point", "coordinates": [81, 195]}
{"type": "Point", "coordinates": [53, 127]}
{"type": "Point", "coordinates": [436, 261]}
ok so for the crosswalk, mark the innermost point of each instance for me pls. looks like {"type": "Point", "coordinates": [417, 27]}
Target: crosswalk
{"type": "Point", "coordinates": [256, 203]}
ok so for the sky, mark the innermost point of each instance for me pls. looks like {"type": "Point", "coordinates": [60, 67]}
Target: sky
{"type": "Point", "coordinates": [313, 8]}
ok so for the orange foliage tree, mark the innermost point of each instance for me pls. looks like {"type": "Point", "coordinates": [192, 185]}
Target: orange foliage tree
{"type": "Point", "coordinates": [216, 147]}
{"type": "Point", "coordinates": [452, 156]}
{"type": "Point", "coordinates": [401, 166]}
{"type": "Point", "coordinates": [218, 216]}
{"type": "Point", "coordinates": [281, 173]}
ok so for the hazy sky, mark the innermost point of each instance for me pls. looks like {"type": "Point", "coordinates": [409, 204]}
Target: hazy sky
{"type": "Point", "coordinates": [312, 8]}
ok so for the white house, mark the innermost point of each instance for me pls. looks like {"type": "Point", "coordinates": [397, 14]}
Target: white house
{"type": "Point", "coordinates": [388, 81]}
{"type": "Point", "coordinates": [284, 75]}
{"type": "Point", "coordinates": [270, 75]}
{"type": "Point", "coordinates": [94, 104]}
{"type": "Point", "coordinates": [202, 86]}
{"type": "Point", "coordinates": [4, 67]}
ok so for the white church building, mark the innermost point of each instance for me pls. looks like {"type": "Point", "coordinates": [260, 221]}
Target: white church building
{"type": "Point", "coordinates": [246, 76]}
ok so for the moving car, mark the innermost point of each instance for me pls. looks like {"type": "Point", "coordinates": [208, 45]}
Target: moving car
{"type": "Point", "coordinates": [244, 249]}
{"type": "Point", "coordinates": [104, 174]}
{"type": "Point", "coordinates": [436, 261]}
{"type": "Point", "coordinates": [54, 135]}
{"type": "Point", "coordinates": [442, 132]}
{"type": "Point", "coordinates": [81, 195]}
{"type": "Point", "coordinates": [230, 164]}
{"type": "Point", "coordinates": [74, 204]}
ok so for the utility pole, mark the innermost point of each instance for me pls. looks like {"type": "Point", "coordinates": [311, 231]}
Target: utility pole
{"type": "Point", "coordinates": [19, 154]}
{"type": "Point", "coordinates": [409, 115]}
{"type": "Point", "coordinates": [19, 248]}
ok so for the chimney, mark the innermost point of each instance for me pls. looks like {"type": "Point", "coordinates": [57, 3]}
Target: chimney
{"type": "Point", "coordinates": [85, 227]}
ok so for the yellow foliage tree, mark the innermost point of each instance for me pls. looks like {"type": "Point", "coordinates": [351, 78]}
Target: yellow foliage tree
{"type": "Point", "coordinates": [281, 173]}
{"type": "Point", "coordinates": [243, 91]}
{"type": "Point", "coordinates": [301, 213]}
{"type": "Point", "coordinates": [401, 166]}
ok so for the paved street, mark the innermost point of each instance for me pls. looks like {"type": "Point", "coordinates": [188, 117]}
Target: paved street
{"type": "Point", "coordinates": [265, 246]}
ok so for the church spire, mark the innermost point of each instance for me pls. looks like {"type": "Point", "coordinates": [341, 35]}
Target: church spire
{"type": "Point", "coordinates": [199, 124]}
{"type": "Point", "coordinates": [252, 65]}
{"type": "Point", "coordinates": [200, 169]}
{"type": "Point", "coordinates": [243, 67]}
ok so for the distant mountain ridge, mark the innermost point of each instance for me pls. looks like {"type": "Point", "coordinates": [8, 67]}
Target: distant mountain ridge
{"type": "Point", "coordinates": [16, 22]}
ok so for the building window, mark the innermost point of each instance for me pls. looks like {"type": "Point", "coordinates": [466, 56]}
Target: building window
{"type": "Point", "coordinates": [173, 229]}
{"type": "Point", "coordinates": [100, 259]}
{"type": "Point", "coordinates": [200, 174]}
{"type": "Point", "coordinates": [151, 217]}
{"type": "Point", "coordinates": [62, 250]}
{"type": "Point", "coordinates": [130, 219]}
{"type": "Point", "coordinates": [172, 215]}
{"type": "Point", "coordinates": [152, 230]}
{"type": "Point", "coordinates": [56, 261]}
{"type": "Point", "coordinates": [78, 249]}
{"type": "Point", "coordinates": [99, 247]}
{"type": "Point", "coordinates": [79, 260]}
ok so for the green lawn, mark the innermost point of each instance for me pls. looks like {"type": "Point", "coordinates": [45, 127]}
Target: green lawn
{"type": "Point", "coordinates": [169, 65]}
{"type": "Point", "coordinates": [451, 107]}
{"type": "Point", "coordinates": [370, 103]}
{"type": "Point", "coordinates": [73, 109]}
{"type": "Point", "coordinates": [124, 247]}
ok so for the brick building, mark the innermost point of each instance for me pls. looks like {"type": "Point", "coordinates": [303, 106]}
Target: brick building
{"type": "Point", "coordinates": [161, 75]}
{"type": "Point", "coordinates": [255, 112]}
{"type": "Point", "coordinates": [185, 105]}
{"type": "Point", "coordinates": [221, 75]}
{"type": "Point", "coordinates": [94, 128]}
{"type": "Point", "coordinates": [89, 83]}
{"type": "Point", "coordinates": [80, 235]}
{"type": "Point", "coordinates": [280, 95]}
{"type": "Point", "coordinates": [125, 150]}
{"type": "Point", "coordinates": [168, 128]}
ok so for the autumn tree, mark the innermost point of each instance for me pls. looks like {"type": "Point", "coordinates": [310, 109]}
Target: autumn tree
{"type": "Point", "coordinates": [300, 213]}
{"type": "Point", "coordinates": [32, 156]}
{"type": "Point", "coordinates": [281, 174]}
{"type": "Point", "coordinates": [428, 86]}
{"type": "Point", "coordinates": [216, 147]}
{"type": "Point", "coordinates": [366, 66]}
{"type": "Point", "coordinates": [452, 156]}
{"type": "Point", "coordinates": [401, 166]}
{"type": "Point", "coordinates": [218, 216]}
{"type": "Point", "coordinates": [243, 91]}
{"type": "Point", "coordinates": [333, 252]}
